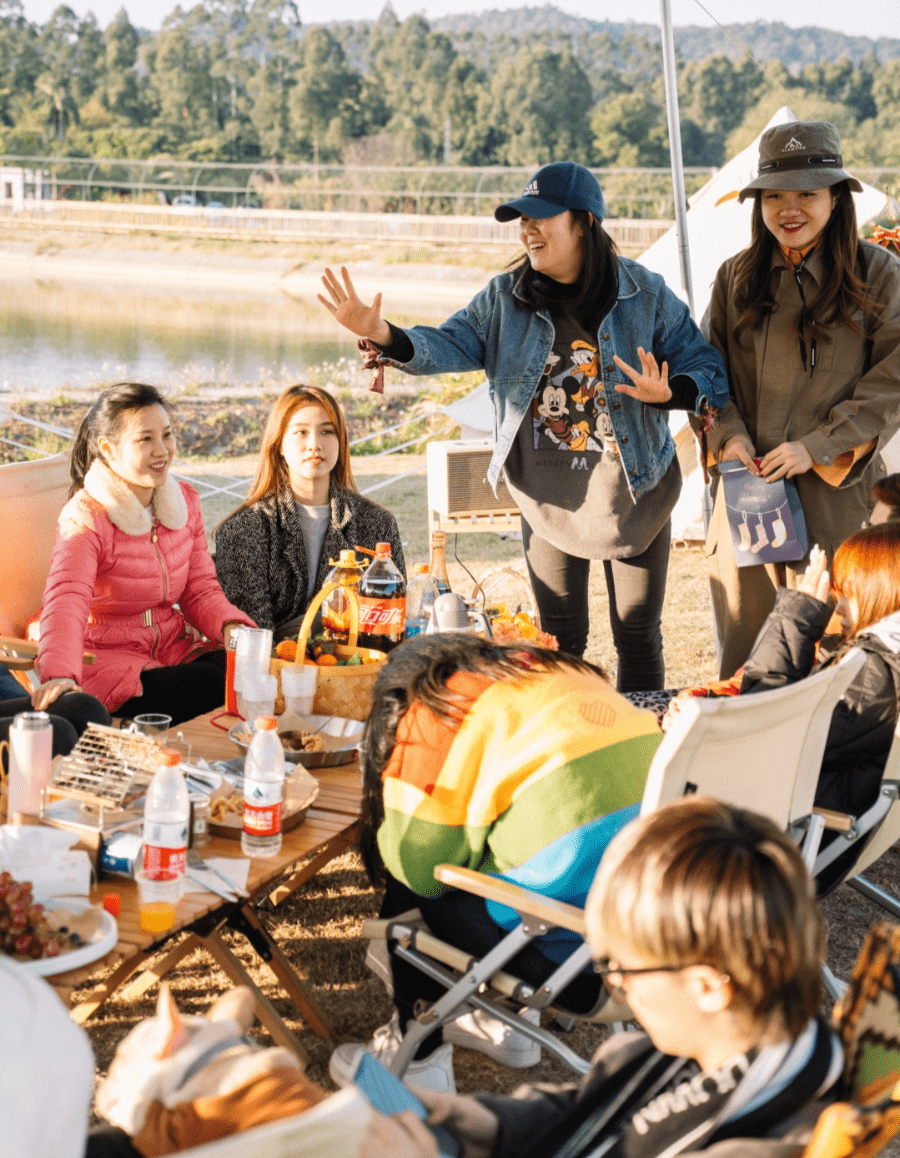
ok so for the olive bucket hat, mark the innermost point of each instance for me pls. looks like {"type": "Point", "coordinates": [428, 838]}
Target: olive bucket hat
{"type": "Point", "coordinates": [800, 155]}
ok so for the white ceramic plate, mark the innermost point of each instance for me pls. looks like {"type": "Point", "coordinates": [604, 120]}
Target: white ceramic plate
{"type": "Point", "coordinates": [104, 939]}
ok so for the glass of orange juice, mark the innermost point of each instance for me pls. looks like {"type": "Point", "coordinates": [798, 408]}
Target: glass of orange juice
{"type": "Point", "coordinates": [158, 893]}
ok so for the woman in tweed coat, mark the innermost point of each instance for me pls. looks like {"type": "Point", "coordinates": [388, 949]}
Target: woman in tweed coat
{"type": "Point", "coordinates": [273, 553]}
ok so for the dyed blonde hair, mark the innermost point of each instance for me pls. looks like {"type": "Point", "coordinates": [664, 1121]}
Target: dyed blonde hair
{"type": "Point", "coordinates": [866, 566]}
{"type": "Point", "coordinates": [272, 471]}
{"type": "Point", "coordinates": [701, 883]}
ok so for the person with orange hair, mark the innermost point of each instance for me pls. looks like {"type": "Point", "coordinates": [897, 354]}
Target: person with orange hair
{"type": "Point", "coordinates": [864, 582]}
{"type": "Point", "coordinates": [273, 553]}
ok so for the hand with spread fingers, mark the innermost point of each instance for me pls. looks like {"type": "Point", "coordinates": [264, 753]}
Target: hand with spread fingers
{"type": "Point", "coordinates": [344, 303]}
{"type": "Point", "coordinates": [785, 461]}
{"type": "Point", "coordinates": [816, 581]}
{"type": "Point", "coordinates": [650, 383]}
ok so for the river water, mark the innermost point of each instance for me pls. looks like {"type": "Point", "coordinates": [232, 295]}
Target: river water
{"type": "Point", "coordinates": [56, 336]}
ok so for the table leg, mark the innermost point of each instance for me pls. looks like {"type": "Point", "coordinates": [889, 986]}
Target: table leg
{"type": "Point", "coordinates": [156, 972]}
{"type": "Point", "coordinates": [284, 972]}
{"type": "Point", "coordinates": [119, 976]}
{"type": "Point", "coordinates": [335, 847]}
{"type": "Point", "coordinates": [266, 1011]}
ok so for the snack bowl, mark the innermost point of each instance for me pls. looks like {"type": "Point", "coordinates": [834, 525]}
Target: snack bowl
{"type": "Point", "coordinates": [339, 738]}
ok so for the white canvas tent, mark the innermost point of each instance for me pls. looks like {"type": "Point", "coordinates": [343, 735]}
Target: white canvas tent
{"type": "Point", "coordinates": [715, 232]}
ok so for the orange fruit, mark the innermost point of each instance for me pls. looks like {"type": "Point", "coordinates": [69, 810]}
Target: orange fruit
{"type": "Point", "coordinates": [326, 660]}
{"type": "Point", "coordinates": [287, 649]}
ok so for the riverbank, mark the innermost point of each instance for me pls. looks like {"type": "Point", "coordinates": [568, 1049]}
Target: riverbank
{"type": "Point", "coordinates": [422, 279]}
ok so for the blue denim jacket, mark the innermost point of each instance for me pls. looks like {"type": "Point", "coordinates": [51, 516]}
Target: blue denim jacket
{"type": "Point", "coordinates": [498, 334]}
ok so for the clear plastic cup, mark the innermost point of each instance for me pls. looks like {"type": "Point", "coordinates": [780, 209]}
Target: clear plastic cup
{"type": "Point", "coordinates": [153, 724]}
{"type": "Point", "coordinates": [253, 654]}
{"type": "Point", "coordinates": [257, 696]}
{"type": "Point", "coordinates": [298, 686]}
{"type": "Point", "coordinates": [159, 891]}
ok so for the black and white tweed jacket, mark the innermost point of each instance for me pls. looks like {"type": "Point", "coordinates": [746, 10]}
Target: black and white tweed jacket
{"type": "Point", "coordinates": [261, 560]}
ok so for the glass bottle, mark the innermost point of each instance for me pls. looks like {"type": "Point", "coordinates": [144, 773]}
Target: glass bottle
{"type": "Point", "coordinates": [438, 568]}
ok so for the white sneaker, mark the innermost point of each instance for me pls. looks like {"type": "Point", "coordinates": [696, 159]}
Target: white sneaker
{"type": "Point", "coordinates": [434, 1072]}
{"type": "Point", "coordinates": [488, 1035]}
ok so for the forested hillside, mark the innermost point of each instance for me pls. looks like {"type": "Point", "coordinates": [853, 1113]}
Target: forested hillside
{"type": "Point", "coordinates": [242, 80]}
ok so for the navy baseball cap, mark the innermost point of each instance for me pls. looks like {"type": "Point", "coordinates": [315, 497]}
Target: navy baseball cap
{"type": "Point", "coordinates": [554, 189]}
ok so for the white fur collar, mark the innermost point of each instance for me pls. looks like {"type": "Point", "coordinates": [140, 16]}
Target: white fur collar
{"type": "Point", "coordinates": [125, 509]}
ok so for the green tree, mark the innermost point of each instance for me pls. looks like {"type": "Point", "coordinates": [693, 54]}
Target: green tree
{"type": "Point", "coordinates": [179, 74]}
{"type": "Point", "coordinates": [324, 101]}
{"type": "Point", "coordinates": [629, 131]}
{"type": "Point", "coordinates": [273, 32]}
{"type": "Point", "coordinates": [119, 84]}
{"type": "Point", "coordinates": [20, 62]}
{"type": "Point", "coordinates": [540, 106]}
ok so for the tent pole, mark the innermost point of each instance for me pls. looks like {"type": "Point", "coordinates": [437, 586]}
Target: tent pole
{"type": "Point", "coordinates": [671, 79]}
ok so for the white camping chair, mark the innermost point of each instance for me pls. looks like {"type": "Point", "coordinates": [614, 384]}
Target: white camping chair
{"type": "Point", "coordinates": [334, 1128]}
{"type": "Point", "coordinates": [761, 752]}
{"type": "Point", "coordinates": [885, 836]}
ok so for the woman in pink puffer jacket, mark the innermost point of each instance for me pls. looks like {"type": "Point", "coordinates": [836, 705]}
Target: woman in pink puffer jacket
{"type": "Point", "coordinates": [130, 546]}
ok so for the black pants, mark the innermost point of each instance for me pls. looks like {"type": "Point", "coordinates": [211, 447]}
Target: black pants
{"type": "Point", "coordinates": [462, 920]}
{"type": "Point", "coordinates": [636, 587]}
{"type": "Point", "coordinates": [69, 716]}
{"type": "Point", "coordinates": [182, 692]}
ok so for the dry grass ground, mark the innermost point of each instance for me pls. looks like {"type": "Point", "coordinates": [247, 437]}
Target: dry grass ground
{"type": "Point", "coordinates": [318, 927]}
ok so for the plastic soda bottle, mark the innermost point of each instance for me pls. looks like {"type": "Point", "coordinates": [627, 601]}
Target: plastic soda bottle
{"type": "Point", "coordinates": [263, 790]}
{"type": "Point", "coordinates": [167, 815]}
{"type": "Point", "coordinates": [420, 597]}
{"type": "Point", "coordinates": [336, 606]}
{"type": "Point", "coordinates": [382, 602]}
{"type": "Point", "coordinates": [438, 566]}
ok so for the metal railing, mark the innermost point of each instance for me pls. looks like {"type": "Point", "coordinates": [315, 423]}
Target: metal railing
{"type": "Point", "coordinates": [630, 234]}
{"type": "Point", "coordinates": [435, 190]}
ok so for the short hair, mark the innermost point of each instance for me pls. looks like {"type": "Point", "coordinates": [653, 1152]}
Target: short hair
{"type": "Point", "coordinates": [698, 882]}
{"type": "Point", "coordinates": [887, 491]}
{"type": "Point", "coordinates": [866, 567]}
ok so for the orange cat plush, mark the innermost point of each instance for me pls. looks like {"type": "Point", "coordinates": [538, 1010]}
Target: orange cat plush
{"type": "Point", "coordinates": [178, 1081]}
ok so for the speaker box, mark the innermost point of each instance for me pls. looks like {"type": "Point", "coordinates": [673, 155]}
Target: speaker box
{"type": "Point", "coordinates": [458, 488]}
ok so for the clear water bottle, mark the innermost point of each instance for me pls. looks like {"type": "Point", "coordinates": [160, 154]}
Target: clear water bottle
{"type": "Point", "coordinates": [382, 602]}
{"type": "Point", "coordinates": [263, 790]}
{"type": "Point", "coordinates": [420, 596]}
{"type": "Point", "coordinates": [167, 816]}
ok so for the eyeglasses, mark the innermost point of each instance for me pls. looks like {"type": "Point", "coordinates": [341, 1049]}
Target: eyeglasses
{"type": "Point", "coordinates": [604, 966]}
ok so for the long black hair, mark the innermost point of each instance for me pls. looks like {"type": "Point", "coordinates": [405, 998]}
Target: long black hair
{"type": "Point", "coordinates": [105, 419]}
{"type": "Point", "coordinates": [842, 293]}
{"type": "Point", "coordinates": [418, 671]}
{"type": "Point", "coordinates": [594, 294]}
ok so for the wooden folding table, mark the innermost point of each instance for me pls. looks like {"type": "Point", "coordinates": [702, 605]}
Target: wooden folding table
{"type": "Point", "coordinates": [328, 830]}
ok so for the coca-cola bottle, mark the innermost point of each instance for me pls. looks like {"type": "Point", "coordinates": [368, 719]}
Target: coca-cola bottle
{"type": "Point", "coordinates": [382, 602]}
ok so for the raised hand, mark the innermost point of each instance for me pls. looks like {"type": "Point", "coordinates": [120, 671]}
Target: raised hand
{"type": "Point", "coordinates": [343, 302]}
{"type": "Point", "coordinates": [816, 581]}
{"type": "Point", "coordinates": [650, 383]}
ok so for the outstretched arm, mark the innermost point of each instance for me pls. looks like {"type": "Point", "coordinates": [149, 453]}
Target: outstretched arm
{"type": "Point", "coordinates": [344, 304]}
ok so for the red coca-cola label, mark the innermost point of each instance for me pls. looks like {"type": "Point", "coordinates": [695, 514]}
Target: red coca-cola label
{"type": "Point", "coordinates": [382, 616]}
{"type": "Point", "coordinates": [262, 820]}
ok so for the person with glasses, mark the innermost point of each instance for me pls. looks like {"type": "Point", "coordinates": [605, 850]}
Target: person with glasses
{"type": "Point", "coordinates": [807, 320]}
{"type": "Point", "coordinates": [704, 919]}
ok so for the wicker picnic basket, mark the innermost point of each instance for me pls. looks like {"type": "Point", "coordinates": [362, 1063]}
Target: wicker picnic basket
{"type": "Point", "coordinates": [340, 691]}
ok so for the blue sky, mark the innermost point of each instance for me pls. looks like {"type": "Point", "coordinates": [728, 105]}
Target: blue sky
{"type": "Point", "coordinates": [880, 15]}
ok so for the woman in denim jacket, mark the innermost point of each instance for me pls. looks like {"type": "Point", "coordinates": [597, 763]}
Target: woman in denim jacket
{"type": "Point", "coordinates": [581, 435]}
